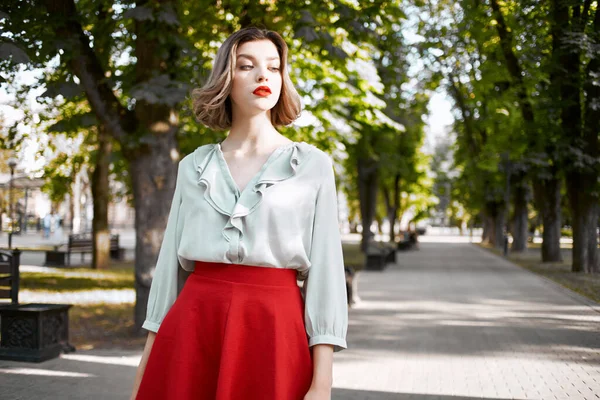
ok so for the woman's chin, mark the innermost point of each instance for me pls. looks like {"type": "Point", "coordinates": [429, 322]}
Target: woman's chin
{"type": "Point", "coordinates": [259, 108]}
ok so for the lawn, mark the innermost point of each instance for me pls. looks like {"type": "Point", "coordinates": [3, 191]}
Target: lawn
{"type": "Point", "coordinates": [111, 325]}
{"type": "Point", "coordinates": [92, 325]}
{"type": "Point", "coordinates": [119, 276]}
{"type": "Point", "coordinates": [353, 257]}
{"type": "Point", "coordinates": [103, 326]}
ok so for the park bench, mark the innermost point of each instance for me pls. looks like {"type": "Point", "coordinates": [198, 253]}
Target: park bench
{"type": "Point", "coordinates": [378, 255]}
{"type": "Point", "coordinates": [81, 243]}
{"type": "Point", "coordinates": [29, 332]}
{"type": "Point", "coordinates": [407, 241]}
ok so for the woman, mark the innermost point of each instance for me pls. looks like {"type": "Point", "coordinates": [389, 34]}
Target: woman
{"type": "Point", "coordinates": [250, 216]}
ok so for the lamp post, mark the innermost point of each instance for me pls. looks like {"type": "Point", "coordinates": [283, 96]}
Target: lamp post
{"type": "Point", "coordinates": [12, 163]}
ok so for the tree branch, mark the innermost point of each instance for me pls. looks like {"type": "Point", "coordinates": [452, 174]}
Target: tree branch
{"type": "Point", "coordinates": [592, 91]}
{"type": "Point", "coordinates": [586, 10]}
{"type": "Point", "coordinates": [512, 63]}
{"type": "Point", "coordinates": [119, 121]}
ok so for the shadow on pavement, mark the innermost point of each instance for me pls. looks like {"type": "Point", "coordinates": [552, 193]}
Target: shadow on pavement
{"type": "Point", "coordinates": [350, 394]}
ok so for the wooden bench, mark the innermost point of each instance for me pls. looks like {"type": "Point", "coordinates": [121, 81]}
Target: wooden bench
{"type": "Point", "coordinates": [29, 332]}
{"type": "Point", "coordinates": [81, 243]}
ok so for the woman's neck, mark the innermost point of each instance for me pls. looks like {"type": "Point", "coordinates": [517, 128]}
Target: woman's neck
{"type": "Point", "coordinates": [248, 134]}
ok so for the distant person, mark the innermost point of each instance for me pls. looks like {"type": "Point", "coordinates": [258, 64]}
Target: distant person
{"type": "Point", "coordinates": [47, 225]}
{"type": "Point", "coordinates": [57, 231]}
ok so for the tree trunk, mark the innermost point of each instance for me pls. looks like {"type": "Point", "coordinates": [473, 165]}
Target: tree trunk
{"type": "Point", "coordinates": [146, 133]}
{"type": "Point", "coordinates": [153, 180]}
{"type": "Point", "coordinates": [154, 168]}
{"type": "Point", "coordinates": [485, 232]}
{"type": "Point", "coordinates": [71, 208]}
{"type": "Point", "coordinates": [584, 212]}
{"type": "Point", "coordinates": [581, 183]}
{"type": "Point", "coordinates": [498, 221]}
{"type": "Point", "coordinates": [547, 199]}
{"type": "Point", "coordinates": [494, 215]}
{"type": "Point", "coordinates": [77, 186]}
{"type": "Point", "coordinates": [100, 196]}
{"type": "Point", "coordinates": [391, 206]}
{"type": "Point", "coordinates": [520, 220]}
{"type": "Point", "coordinates": [392, 218]}
{"type": "Point", "coordinates": [367, 194]}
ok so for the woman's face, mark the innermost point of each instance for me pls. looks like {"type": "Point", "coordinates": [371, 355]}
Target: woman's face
{"type": "Point", "coordinates": [257, 78]}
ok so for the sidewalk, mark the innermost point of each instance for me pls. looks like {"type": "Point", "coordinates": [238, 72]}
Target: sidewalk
{"type": "Point", "coordinates": [456, 320]}
{"type": "Point", "coordinates": [451, 321]}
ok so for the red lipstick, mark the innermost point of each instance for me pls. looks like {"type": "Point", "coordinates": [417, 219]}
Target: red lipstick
{"type": "Point", "coordinates": [262, 91]}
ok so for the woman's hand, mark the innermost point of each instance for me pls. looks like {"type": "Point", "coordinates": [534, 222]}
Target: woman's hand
{"type": "Point", "coordinates": [320, 388]}
{"type": "Point", "coordinates": [142, 367]}
{"type": "Point", "coordinates": [318, 393]}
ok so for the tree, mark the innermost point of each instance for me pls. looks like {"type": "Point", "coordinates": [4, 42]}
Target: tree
{"type": "Point", "coordinates": [134, 63]}
{"type": "Point", "coordinates": [576, 30]}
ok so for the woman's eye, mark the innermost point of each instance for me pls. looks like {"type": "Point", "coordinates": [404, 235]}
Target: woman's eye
{"type": "Point", "coordinates": [275, 68]}
{"type": "Point", "coordinates": [246, 67]}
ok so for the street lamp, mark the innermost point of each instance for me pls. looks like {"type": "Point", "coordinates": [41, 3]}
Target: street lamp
{"type": "Point", "coordinates": [12, 163]}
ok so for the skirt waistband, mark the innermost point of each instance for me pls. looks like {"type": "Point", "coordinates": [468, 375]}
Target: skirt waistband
{"type": "Point", "coordinates": [238, 273]}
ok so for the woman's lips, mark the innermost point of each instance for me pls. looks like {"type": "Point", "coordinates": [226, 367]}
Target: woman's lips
{"type": "Point", "coordinates": [262, 91]}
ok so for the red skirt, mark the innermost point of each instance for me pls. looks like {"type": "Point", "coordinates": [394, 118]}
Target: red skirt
{"type": "Point", "coordinates": [234, 332]}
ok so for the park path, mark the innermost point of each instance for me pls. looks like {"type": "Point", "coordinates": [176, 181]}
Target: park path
{"type": "Point", "coordinates": [454, 321]}
{"type": "Point", "coordinates": [447, 322]}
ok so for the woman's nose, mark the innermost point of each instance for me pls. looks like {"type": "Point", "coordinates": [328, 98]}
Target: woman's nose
{"type": "Point", "coordinates": [262, 75]}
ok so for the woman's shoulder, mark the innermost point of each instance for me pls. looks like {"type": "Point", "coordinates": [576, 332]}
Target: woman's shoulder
{"type": "Point", "coordinates": [304, 151]}
{"type": "Point", "coordinates": [317, 157]}
{"type": "Point", "coordinates": [199, 155]}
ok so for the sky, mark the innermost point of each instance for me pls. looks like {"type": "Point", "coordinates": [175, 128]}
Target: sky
{"type": "Point", "coordinates": [439, 119]}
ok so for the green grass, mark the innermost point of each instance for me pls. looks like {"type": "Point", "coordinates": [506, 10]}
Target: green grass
{"type": "Point", "coordinates": [95, 325]}
{"type": "Point", "coordinates": [353, 256]}
{"type": "Point", "coordinates": [119, 276]}
{"type": "Point", "coordinates": [111, 325]}
{"type": "Point", "coordinates": [587, 285]}
{"type": "Point", "coordinates": [539, 245]}
{"type": "Point", "coordinates": [103, 326]}
{"type": "Point", "coordinates": [28, 248]}
{"type": "Point", "coordinates": [562, 245]}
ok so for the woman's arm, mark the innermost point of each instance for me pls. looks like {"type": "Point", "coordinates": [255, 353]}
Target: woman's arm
{"type": "Point", "coordinates": [320, 388]}
{"type": "Point", "coordinates": [142, 366]}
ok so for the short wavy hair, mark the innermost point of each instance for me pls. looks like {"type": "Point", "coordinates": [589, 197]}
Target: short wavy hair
{"type": "Point", "coordinates": [211, 102]}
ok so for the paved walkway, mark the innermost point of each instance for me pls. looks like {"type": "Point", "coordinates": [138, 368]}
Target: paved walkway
{"type": "Point", "coordinates": [450, 321]}
{"type": "Point", "coordinates": [455, 320]}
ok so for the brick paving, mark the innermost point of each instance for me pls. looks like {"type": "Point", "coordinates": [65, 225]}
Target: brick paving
{"type": "Point", "coordinates": [448, 322]}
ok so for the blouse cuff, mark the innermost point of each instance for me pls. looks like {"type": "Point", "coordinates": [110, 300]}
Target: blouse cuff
{"type": "Point", "coordinates": [151, 326]}
{"type": "Point", "coordinates": [337, 342]}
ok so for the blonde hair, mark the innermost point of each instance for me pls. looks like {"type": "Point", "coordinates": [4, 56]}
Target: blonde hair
{"type": "Point", "coordinates": [211, 102]}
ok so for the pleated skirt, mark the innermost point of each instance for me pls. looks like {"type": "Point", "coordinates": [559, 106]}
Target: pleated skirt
{"type": "Point", "coordinates": [235, 332]}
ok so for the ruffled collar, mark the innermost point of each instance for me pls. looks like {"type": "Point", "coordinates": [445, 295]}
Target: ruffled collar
{"type": "Point", "coordinates": [222, 193]}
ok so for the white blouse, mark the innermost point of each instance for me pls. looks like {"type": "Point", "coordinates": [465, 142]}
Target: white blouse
{"type": "Point", "coordinates": [285, 217]}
